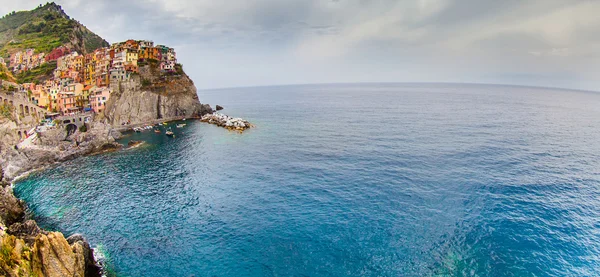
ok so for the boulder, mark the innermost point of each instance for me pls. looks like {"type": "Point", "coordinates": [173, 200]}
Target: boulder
{"type": "Point", "coordinates": [11, 209]}
{"type": "Point", "coordinates": [218, 107]}
{"type": "Point", "coordinates": [53, 256]}
{"type": "Point", "coordinates": [28, 231]}
{"type": "Point", "coordinates": [109, 147]}
{"type": "Point", "coordinates": [134, 143]}
{"type": "Point", "coordinates": [91, 268]}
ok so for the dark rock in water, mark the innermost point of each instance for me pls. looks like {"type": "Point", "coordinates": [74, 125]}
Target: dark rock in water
{"type": "Point", "coordinates": [75, 238]}
{"type": "Point", "coordinates": [133, 143]}
{"type": "Point", "coordinates": [110, 147]}
{"type": "Point", "coordinates": [27, 230]}
{"type": "Point", "coordinates": [91, 269]}
{"type": "Point", "coordinates": [205, 109]}
{"type": "Point", "coordinates": [218, 107]}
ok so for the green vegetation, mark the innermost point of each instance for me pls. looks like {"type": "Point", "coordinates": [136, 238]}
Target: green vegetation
{"type": "Point", "coordinates": [44, 29]}
{"type": "Point", "coordinates": [38, 74]}
{"type": "Point", "coordinates": [146, 83]}
{"type": "Point", "coordinates": [6, 111]}
{"type": "Point", "coordinates": [179, 69]}
{"type": "Point", "coordinates": [5, 74]}
{"type": "Point", "coordinates": [83, 128]}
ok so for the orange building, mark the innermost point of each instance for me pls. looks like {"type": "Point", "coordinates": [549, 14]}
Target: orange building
{"type": "Point", "coordinates": [66, 103]}
{"type": "Point", "coordinates": [131, 44]}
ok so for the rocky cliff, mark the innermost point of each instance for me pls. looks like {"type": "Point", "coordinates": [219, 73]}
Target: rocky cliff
{"type": "Point", "coordinates": [26, 250]}
{"type": "Point", "coordinates": [152, 95]}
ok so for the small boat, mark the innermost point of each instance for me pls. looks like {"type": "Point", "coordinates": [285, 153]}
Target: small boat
{"type": "Point", "coordinates": [137, 130]}
{"type": "Point", "coordinates": [157, 131]}
{"type": "Point", "coordinates": [181, 125]}
{"type": "Point", "coordinates": [169, 132]}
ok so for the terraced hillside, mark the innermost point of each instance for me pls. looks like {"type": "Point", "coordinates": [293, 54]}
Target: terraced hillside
{"type": "Point", "coordinates": [44, 29]}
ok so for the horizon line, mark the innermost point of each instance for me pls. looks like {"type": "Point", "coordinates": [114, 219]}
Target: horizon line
{"type": "Point", "coordinates": [432, 83]}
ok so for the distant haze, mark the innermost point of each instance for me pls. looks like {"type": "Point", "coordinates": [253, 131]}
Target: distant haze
{"type": "Point", "coordinates": [551, 43]}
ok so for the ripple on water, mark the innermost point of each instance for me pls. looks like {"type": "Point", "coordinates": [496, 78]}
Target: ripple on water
{"type": "Point", "coordinates": [348, 180]}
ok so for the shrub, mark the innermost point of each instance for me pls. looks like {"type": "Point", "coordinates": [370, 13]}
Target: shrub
{"type": "Point", "coordinates": [6, 111]}
{"type": "Point", "coordinates": [146, 83]}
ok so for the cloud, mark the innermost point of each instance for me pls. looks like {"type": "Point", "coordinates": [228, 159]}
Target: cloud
{"type": "Point", "coordinates": [297, 41]}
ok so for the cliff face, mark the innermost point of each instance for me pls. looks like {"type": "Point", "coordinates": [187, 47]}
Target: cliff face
{"type": "Point", "coordinates": [54, 146]}
{"type": "Point", "coordinates": [150, 96]}
{"type": "Point", "coordinates": [26, 250]}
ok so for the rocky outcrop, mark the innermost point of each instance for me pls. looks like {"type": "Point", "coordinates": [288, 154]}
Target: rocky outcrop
{"type": "Point", "coordinates": [27, 250]}
{"type": "Point", "coordinates": [49, 255]}
{"type": "Point", "coordinates": [227, 122]}
{"type": "Point", "coordinates": [54, 146]}
{"type": "Point", "coordinates": [152, 95]}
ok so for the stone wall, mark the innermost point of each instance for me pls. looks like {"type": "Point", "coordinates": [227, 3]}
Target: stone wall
{"type": "Point", "coordinates": [25, 116]}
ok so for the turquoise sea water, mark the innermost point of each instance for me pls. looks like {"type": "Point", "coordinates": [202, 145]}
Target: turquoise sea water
{"type": "Point", "coordinates": [348, 180]}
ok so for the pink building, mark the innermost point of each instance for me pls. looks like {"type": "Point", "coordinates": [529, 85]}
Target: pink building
{"type": "Point", "coordinates": [66, 102]}
{"type": "Point", "coordinates": [98, 99]}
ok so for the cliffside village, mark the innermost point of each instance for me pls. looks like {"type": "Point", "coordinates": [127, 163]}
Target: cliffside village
{"type": "Point", "coordinates": [83, 83]}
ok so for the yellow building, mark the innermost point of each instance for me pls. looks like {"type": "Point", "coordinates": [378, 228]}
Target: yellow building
{"type": "Point", "coordinates": [44, 98]}
{"type": "Point", "coordinates": [89, 74]}
{"type": "Point", "coordinates": [131, 57]}
{"type": "Point", "coordinates": [40, 96]}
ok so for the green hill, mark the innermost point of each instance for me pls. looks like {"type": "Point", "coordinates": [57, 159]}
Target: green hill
{"type": "Point", "coordinates": [5, 74]}
{"type": "Point", "coordinates": [44, 29]}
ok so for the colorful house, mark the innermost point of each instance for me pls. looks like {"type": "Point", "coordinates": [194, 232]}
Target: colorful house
{"type": "Point", "coordinates": [66, 102]}
{"type": "Point", "coordinates": [131, 57]}
{"type": "Point", "coordinates": [98, 99]}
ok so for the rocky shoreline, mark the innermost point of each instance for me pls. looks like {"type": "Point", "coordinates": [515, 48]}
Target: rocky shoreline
{"type": "Point", "coordinates": [34, 250]}
{"type": "Point", "coordinates": [227, 122]}
{"type": "Point", "coordinates": [26, 249]}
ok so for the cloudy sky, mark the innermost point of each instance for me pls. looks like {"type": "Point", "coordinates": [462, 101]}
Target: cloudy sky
{"type": "Point", "coordinates": [266, 42]}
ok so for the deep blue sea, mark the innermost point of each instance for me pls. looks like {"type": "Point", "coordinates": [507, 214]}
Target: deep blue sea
{"type": "Point", "coordinates": [347, 180]}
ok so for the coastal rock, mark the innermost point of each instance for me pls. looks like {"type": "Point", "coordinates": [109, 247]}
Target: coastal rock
{"type": "Point", "coordinates": [134, 143]}
{"type": "Point", "coordinates": [54, 146]}
{"type": "Point", "coordinates": [91, 269]}
{"type": "Point", "coordinates": [26, 250]}
{"type": "Point", "coordinates": [11, 209]}
{"type": "Point", "coordinates": [218, 107]}
{"type": "Point", "coordinates": [28, 230]}
{"type": "Point", "coordinates": [150, 96]}
{"type": "Point", "coordinates": [225, 121]}
{"type": "Point", "coordinates": [109, 147]}
{"type": "Point", "coordinates": [53, 256]}
{"type": "Point", "coordinates": [46, 254]}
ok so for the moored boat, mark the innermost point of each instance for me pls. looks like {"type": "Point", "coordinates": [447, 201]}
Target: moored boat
{"type": "Point", "coordinates": [169, 132]}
